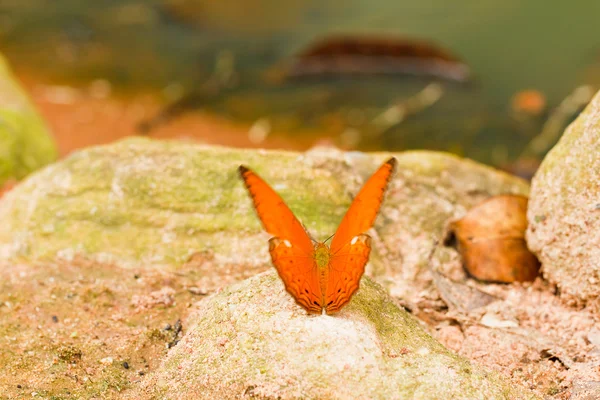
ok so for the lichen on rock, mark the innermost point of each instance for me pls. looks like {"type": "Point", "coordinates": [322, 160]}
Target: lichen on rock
{"type": "Point", "coordinates": [161, 203]}
{"type": "Point", "coordinates": [142, 201]}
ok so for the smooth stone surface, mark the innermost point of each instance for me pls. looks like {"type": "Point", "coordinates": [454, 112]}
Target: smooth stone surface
{"type": "Point", "coordinates": [564, 209]}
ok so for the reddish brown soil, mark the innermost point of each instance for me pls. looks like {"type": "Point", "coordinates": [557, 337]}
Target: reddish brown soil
{"type": "Point", "coordinates": [81, 116]}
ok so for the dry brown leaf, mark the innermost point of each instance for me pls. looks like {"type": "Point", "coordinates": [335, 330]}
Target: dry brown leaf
{"type": "Point", "coordinates": [491, 240]}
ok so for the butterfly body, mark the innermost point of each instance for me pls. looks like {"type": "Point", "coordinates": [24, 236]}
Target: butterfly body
{"type": "Point", "coordinates": [319, 277]}
{"type": "Point", "coordinates": [322, 256]}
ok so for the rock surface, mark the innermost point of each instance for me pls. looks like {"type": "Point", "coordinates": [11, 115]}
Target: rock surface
{"type": "Point", "coordinates": [429, 190]}
{"type": "Point", "coordinates": [25, 143]}
{"type": "Point", "coordinates": [151, 202]}
{"type": "Point", "coordinates": [252, 340]}
{"type": "Point", "coordinates": [167, 204]}
{"type": "Point", "coordinates": [117, 241]}
{"type": "Point", "coordinates": [564, 210]}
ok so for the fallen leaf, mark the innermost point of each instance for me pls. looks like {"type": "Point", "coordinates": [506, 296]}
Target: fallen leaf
{"type": "Point", "coordinates": [491, 240]}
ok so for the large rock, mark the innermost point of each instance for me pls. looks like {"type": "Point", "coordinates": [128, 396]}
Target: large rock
{"type": "Point", "coordinates": [166, 204]}
{"type": "Point", "coordinates": [149, 202]}
{"type": "Point", "coordinates": [253, 340]}
{"type": "Point", "coordinates": [25, 144]}
{"type": "Point", "coordinates": [116, 241]}
{"type": "Point", "coordinates": [564, 209]}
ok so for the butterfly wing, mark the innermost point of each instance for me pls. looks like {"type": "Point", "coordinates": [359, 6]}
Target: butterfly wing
{"type": "Point", "coordinates": [362, 212]}
{"type": "Point", "coordinates": [298, 273]}
{"type": "Point", "coordinates": [275, 215]}
{"type": "Point", "coordinates": [291, 249]}
{"type": "Point", "coordinates": [350, 247]}
{"type": "Point", "coordinates": [345, 269]}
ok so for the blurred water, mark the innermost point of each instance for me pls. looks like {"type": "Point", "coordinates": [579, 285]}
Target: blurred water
{"type": "Point", "coordinates": [510, 45]}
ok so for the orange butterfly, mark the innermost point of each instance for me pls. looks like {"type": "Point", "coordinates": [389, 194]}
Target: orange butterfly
{"type": "Point", "coordinates": [317, 276]}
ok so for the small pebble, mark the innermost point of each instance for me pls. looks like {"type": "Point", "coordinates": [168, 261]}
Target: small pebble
{"type": "Point", "coordinates": [198, 291]}
{"type": "Point", "coordinates": [141, 373]}
{"type": "Point", "coordinates": [107, 360]}
{"type": "Point", "coordinates": [167, 327]}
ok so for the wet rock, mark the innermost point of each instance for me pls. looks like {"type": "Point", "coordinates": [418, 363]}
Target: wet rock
{"type": "Point", "coordinates": [564, 209]}
{"type": "Point", "coordinates": [25, 143]}
{"type": "Point", "coordinates": [253, 339]}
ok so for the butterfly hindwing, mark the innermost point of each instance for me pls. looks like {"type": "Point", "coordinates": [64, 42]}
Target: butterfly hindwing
{"type": "Point", "coordinates": [346, 267]}
{"type": "Point", "coordinates": [298, 273]}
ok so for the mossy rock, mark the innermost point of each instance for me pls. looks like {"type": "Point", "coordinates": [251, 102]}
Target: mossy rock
{"type": "Point", "coordinates": [25, 143]}
{"type": "Point", "coordinates": [111, 239]}
{"type": "Point", "coordinates": [252, 341]}
{"type": "Point", "coordinates": [564, 210]}
{"type": "Point", "coordinates": [148, 202]}
{"type": "Point", "coordinates": [169, 204]}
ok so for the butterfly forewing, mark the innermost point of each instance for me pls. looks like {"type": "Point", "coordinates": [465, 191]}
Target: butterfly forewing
{"type": "Point", "coordinates": [275, 215]}
{"type": "Point", "coordinates": [362, 212]}
{"type": "Point", "coordinates": [345, 270]}
{"type": "Point", "coordinates": [291, 249]}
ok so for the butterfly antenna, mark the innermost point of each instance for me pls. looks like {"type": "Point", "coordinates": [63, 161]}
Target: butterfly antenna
{"type": "Point", "coordinates": [309, 234]}
{"type": "Point", "coordinates": [329, 238]}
